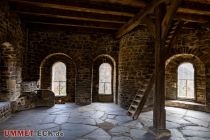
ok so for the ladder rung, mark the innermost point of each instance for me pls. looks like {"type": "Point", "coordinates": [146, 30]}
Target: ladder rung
{"type": "Point", "coordinates": [174, 27]}
{"type": "Point", "coordinates": [172, 32]}
{"type": "Point", "coordinates": [140, 90]}
{"type": "Point", "coordinates": [138, 101]}
{"type": "Point", "coordinates": [170, 36]}
{"type": "Point", "coordinates": [176, 23]}
{"type": "Point", "coordinates": [134, 106]}
{"type": "Point", "coordinates": [131, 112]}
{"type": "Point", "coordinates": [167, 41]}
{"type": "Point", "coordinates": [139, 95]}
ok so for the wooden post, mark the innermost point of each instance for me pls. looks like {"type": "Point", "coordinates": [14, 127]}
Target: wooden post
{"type": "Point", "coordinates": [159, 114]}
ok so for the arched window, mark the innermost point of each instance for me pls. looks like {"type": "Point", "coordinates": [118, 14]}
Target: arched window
{"type": "Point", "coordinates": [105, 79]}
{"type": "Point", "coordinates": [59, 79]}
{"type": "Point", "coordinates": [186, 88]}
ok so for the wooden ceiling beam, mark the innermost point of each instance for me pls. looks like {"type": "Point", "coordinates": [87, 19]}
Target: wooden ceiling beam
{"type": "Point", "coordinates": [102, 3]}
{"type": "Point", "coordinates": [192, 11]}
{"type": "Point", "coordinates": [200, 1]}
{"type": "Point", "coordinates": [193, 18]}
{"type": "Point", "coordinates": [73, 8]}
{"type": "Point", "coordinates": [133, 3]}
{"type": "Point", "coordinates": [194, 8]}
{"type": "Point", "coordinates": [71, 25]}
{"type": "Point", "coordinates": [27, 10]}
{"type": "Point", "coordinates": [68, 17]}
{"type": "Point", "coordinates": [50, 27]}
{"type": "Point", "coordinates": [134, 22]}
{"type": "Point", "coordinates": [69, 22]}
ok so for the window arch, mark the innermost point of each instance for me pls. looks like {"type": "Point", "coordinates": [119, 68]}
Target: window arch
{"type": "Point", "coordinates": [186, 87]}
{"type": "Point", "coordinates": [59, 79]}
{"type": "Point", "coordinates": [105, 79]}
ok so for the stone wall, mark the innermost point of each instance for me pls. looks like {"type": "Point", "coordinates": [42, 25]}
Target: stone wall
{"type": "Point", "coordinates": [12, 44]}
{"type": "Point", "coordinates": [29, 86]}
{"type": "Point", "coordinates": [82, 48]}
{"type": "Point", "coordinates": [208, 86]}
{"type": "Point", "coordinates": [136, 64]}
{"type": "Point", "coordinates": [192, 46]}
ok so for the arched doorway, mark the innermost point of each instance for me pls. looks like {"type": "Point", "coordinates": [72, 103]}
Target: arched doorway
{"type": "Point", "coordinates": [56, 63]}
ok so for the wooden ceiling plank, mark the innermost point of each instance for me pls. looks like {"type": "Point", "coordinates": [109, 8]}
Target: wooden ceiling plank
{"type": "Point", "coordinates": [134, 22]}
{"type": "Point", "coordinates": [73, 8]}
{"type": "Point", "coordinates": [170, 13]}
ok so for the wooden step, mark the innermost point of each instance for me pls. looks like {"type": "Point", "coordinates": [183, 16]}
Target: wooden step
{"type": "Point", "coordinates": [137, 101]}
{"type": "Point", "coordinates": [172, 32]}
{"type": "Point", "coordinates": [170, 36]}
{"type": "Point", "coordinates": [134, 106]}
{"type": "Point", "coordinates": [167, 41]}
{"type": "Point", "coordinates": [131, 112]}
{"type": "Point", "coordinates": [139, 95]}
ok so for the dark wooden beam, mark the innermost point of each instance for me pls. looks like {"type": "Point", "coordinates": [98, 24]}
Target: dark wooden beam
{"type": "Point", "coordinates": [65, 14]}
{"type": "Point", "coordinates": [109, 5]}
{"type": "Point", "coordinates": [133, 3]}
{"type": "Point", "coordinates": [200, 1]}
{"type": "Point", "coordinates": [65, 22]}
{"type": "Point", "coordinates": [134, 22]}
{"type": "Point", "coordinates": [41, 15]}
{"type": "Point", "coordinates": [52, 28]}
{"type": "Point", "coordinates": [193, 11]}
{"type": "Point", "coordinates": [196, 8]}
{"type": "Point", "coordinates": [195, 5]}
{"type": "Point", "coordinates": [71, 25]}
{"type": "Point", "coordinates": [61, 6]}
{"type": "Point", "coordinates": [193, 18]}
{"type": "Point", "coordinates": [170, 12]}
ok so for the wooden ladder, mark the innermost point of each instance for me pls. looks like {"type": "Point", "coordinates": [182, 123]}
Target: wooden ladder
{"type": "Point", "coordinates": [141, 96]}
{"type": "Point", "coordinates": [140, 99]}
{"type": "Point", "coordinates": [172, 36]}
{"type": "Point", "coordinates": [176, 25]}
